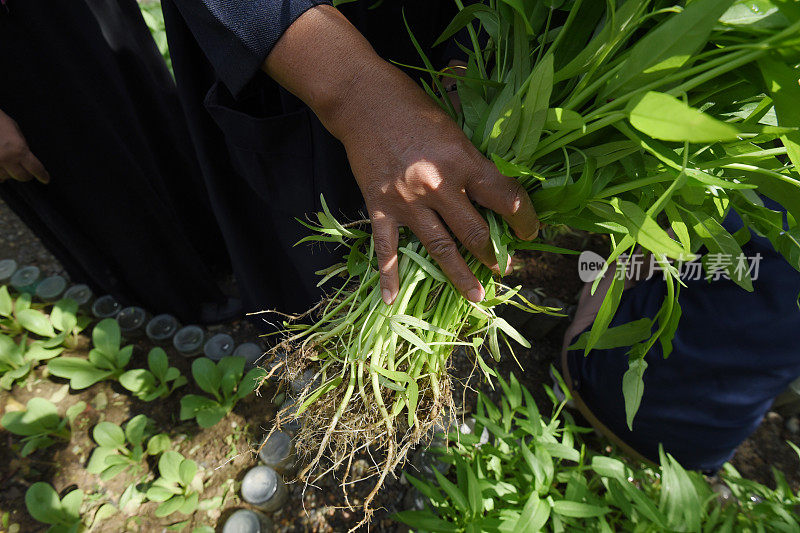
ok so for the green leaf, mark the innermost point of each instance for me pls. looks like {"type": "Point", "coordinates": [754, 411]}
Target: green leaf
{"type": "Point", "coordinates": [249, 382]}
{"type": "Point", "coordinates": [409, 336]}
{"type": "Point", "coordinates": [474, 492]}
{"type": "Point", "coordinates": [190, 504]}
{"type": "Point", "coordinates": [40, 416]}
{"type": "Point", "coordinates": [80, 372]}
{"type": "Point", "coordinates": [609, 467]}
{"type": "Point", "coordinates": [458, 498]}
{"type": "Point", "coordinates": [534, 515]}
{"type": "Point", "coordinates": [64, 315]}
{"type": "Point", "coordinates": [426, 265]}
{"type": "Point", "coordinates": [135, 429]}
{"type": "Point", "coordinates": [206, 375]}
{"type": "Point", "coordinates": [97, 461]}
{"type": "Point", "coordinates": [109, 435]}
{"type": "Point", "coordinates": [718, 241]}
{"type": "Point", "coordinates": [668, 47]}
{"type": "Point", "coordinates": [534, 109]}
{"type": "Point", "coordinates": [159, 494]}
{"type": "Point", "coordinates": [633, 389]}
{"type": "Point", "coordinates": [231, 369]}
{"type": "Point", "coordinates": [35, 322]}
{"type": "Point", "coordinates": [187, 471]}
{"type": "Point", "coordinates": [138, 381]}
{"type": "Point", "coordinates": [563, 119]}
{"type": "Point", "coordinates": [211, 416]}
{"type": "Point", "coordinates": [158, 363]}
{"type": "Point", "coordinates": [665, 117]}
{"type": "Point", "coordinates": [578, 509]}
{"type": "Point", "coordinates": [191, 404]}
{"type": "Point", "coordinates": [6, 303]}
{"type": "Point", "coordinates": [169, 466]}
{"type": "Point", "coordinates": [158, 444]}
{"type": "Point", "coordinates": [106, 336]}
{"type": "Point", "coordinates": [425, 521]}
{"type": "Point", "coordinates": [626, 334]}
{"type": "Point", "coordinates": [319, 392]}
{"type": "Point", "coordinates": [43, 503]}
{"type": "Point", "coordinates": [170, 506]}
{"type": "Point", "coordinates": [464, 17]}
{"type": "Point", "coordinates": [105, 511]}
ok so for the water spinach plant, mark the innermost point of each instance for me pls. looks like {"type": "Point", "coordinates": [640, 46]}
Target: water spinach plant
{"type": "Point", "coordinates": [623, 118]}
{"type": "Point", "coordinates": [532, 472]}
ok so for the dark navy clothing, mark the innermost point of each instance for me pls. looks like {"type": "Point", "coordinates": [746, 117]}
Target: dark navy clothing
{"type": "Point", "coordinates": [266, 158]}
{"type": "Point", "coordinates": [125, 210]}
{"type": "Point", "coordinates": [734, 352]}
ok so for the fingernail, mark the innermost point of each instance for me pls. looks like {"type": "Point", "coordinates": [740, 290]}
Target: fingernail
{"type": "Point", "coordinates": [387, 296]}
{"type": "Point", "coordinates": [475, 295]}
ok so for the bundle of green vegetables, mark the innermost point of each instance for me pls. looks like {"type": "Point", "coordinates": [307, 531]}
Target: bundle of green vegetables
{"type": "Point", "coordinates": [625, 118]}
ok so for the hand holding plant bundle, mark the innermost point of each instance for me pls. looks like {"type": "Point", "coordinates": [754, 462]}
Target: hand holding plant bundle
{"type": "Point", "coordinates": [645, 115]}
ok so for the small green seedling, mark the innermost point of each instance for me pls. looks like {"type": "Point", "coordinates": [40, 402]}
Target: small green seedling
{"type": "Point", "coordinates": [224, 381]}
{"type": "Point", "coordinates": [39, 425]}
{"type": "Point", "coordinates": [178, 488]}
{"type": "Point", "coordinates": [107, 360]}
{"type": "Point", "coordinates": [119, 450]}
{"type": "Point", "coordinates": [61, 327]}
{"type": "Point", "coordinates": [17, 360]}
{"type": "Point", "coordinates": [158, 382]}
{"type": "Point", "coordinates": [63, 514]}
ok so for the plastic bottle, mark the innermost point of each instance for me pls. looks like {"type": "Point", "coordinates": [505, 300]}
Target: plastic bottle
{"type": "Point", "coordinates": [162, 328]}
{"type": "Point", "coordinates": [7, 269]}
{"type": "Point", "coordinates": [247, 521]}
{"type": "Point", "coordinates": [106, 307]}
{"type": "Point", "coordinates": [189, 340]}
{"type": "Point", "coordinates": [25, 279]}
{"type": "Point", "coordinates": [219, 346]}
{"type": "Point", "coordinates": [132, 321]}
{"type": "Point", "coordinates": [51, 288]}
{"type": "Point", "coordinates": [251, 352]}
{"type": "Point", "coordinates": [264, 488]}
{"type": "Point", "coordinates": [81, 293]}
{"type": "Point", "coordinates": [277, 452]}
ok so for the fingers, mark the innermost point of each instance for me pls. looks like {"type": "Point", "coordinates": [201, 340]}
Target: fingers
{"type": "Point", "coordinates": [385, 236]}
{"type": "Point", "coordinates": [18, 172]}
{"type": "Point", "coordinates": [434, 236]}
{"type": "Point", "coordinates": [507, 197]}
{"type": "Point", "coordinates": [470, 229]}
{"type": "Point", "coordinates": [35, 167]}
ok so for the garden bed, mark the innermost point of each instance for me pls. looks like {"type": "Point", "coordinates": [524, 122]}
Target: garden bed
{"type": "Point", "coordinates": [225, 451]}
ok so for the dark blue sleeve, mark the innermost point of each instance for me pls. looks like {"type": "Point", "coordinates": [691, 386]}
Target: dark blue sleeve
{"type": "Point", "coordinates": [237, 35]}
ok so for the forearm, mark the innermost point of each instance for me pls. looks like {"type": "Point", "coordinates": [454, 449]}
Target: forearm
{"type": "Point", "coordinates": [327, 63]}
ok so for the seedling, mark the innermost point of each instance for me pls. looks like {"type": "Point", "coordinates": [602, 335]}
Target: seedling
{"type": "Point", "coordinates": [178, 488]}
{"type": "Point", "coordinates": [62, 326]}
{"type": "Point", "coordinates": [534, 473]}
{"type": "Point", "coordinates": [39, 425]}
{"type": "Point", "coordinates": [224, 382]}
{"type": "Point", "coordinates": [107, 360]}
{"type": "Point", "coordinates": [120, 450]}
{"type": "Point", "coordinates": [158, 382]}
{"type": "Point", "coordinates": [17, 360]}
{"type": "Point", "coordinates": [63, 514]}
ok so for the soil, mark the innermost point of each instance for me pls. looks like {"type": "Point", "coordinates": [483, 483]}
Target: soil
{"type": "Point", "coordinates": [225, 451]}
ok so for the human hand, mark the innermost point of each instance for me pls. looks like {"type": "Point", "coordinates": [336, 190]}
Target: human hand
{"type": "Point", "coordinates": [414, 165]}
{"type": "Point", "coordinates": [416, 168]}
{"type": "Point", "coordinates": [17, 162]}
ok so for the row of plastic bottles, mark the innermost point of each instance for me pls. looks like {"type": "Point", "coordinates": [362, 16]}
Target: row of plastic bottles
{"type": "Point", "coordinates": [133, 321]}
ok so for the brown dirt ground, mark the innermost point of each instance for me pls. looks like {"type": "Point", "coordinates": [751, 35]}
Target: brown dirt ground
{"type": "Point", "coordinates": [224, 451]}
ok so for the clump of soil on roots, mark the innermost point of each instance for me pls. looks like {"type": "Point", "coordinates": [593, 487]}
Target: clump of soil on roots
{"type": "Point", "coordinates": [327, 444]}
